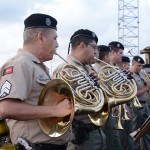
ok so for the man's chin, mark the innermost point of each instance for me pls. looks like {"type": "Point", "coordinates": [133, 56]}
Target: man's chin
{"type": "Point", "coordinates": [48, 59]}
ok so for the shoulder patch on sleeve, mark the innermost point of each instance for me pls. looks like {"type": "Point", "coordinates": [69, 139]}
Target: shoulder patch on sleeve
{"type": "Point", "coordinates": [5, 89]}
{"type": "Point", "coordinates": [8, 70]}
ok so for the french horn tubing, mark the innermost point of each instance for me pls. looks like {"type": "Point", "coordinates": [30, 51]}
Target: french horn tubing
{"type": "Point", "coordinates": [147, 75]}
{"type": "Point", "coordinates": [118, 90]}
{"type": "Point", "coordinates": [89, 98]}
{"type": "Point", "coordinates": [117, 86]}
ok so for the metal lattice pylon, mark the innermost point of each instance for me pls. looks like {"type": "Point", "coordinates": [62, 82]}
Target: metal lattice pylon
{"type": "Point", "coordinates": [128, 26]}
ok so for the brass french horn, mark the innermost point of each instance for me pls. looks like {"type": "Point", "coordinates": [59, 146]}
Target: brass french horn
{"type": "Point", "coordinates": [5, 143]}
{"type": "Point", "coordinates": [118, 90]}
{"type": "Point", "coordinates": [117, 86]}
{"type": "Point", "coordinates": [74, 84]}
{"type": "Point", "coordinates": [4, 130]}
{"type": "Point", "coordinates": [53, 93]}
{"type": "Point", "coordinates": [89, 98]}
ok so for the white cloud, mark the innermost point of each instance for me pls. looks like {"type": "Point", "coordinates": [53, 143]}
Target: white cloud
{"type": "Point", "coordinates": [96, 15]}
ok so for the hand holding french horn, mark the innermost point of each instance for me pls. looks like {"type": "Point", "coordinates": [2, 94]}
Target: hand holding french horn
{"type": "Point", "coordinates": [63, 108]}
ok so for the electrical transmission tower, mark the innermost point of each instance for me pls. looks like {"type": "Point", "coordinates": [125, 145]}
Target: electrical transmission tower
{"type": "Point", "coordinates": [128, 26]}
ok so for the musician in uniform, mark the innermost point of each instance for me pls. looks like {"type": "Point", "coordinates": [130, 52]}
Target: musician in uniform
{"type": "Point", "coordinates": [83, 50]}
{"type": "Point", "coordinates": [104, 55]}
{"type": "Point", "coordinates": [143, 87]}
{"type": "Point", "coordinates": [146, 69]}
{"type": "Point", "coordinates": [22, 79]}
{"type": "Point", "coordinates": [116, 52]}
{"type": "Point", "coordinates": [126, 139]}
{"type": "Point", "coordinates": [112, 134]}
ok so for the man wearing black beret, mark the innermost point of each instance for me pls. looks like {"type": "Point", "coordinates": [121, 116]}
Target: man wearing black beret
{"type": "Point", "coordinates": [127, 124]}
{"type": "Point", "coordinates": [143, 88]}
{"type": "Point", "coordinates": [116, 52]}
{"type": "Point", "coordinates": [112, 136]}
{"type": "Point", "coordinates": [22, 79]}
{"type": "Point", "coordinates": [83, 44]}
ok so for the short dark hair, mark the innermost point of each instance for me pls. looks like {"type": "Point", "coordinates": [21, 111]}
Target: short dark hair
{"type": "Point", "coordinates": [80, 39]}
{"type": "Point", "coordinates": [103, 50]}
{"type": "Point", "coordinates": [125, 59]}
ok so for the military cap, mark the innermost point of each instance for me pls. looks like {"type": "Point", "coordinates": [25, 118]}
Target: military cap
{"type": "Point", "coordinates": [125, 59]}
{"type": "Point", "coordinates": [40, 21]}
{"type": "Point", "coordinates": [146, 66]}
{"type": "Point", "coordinates": [116, 44]}
{"type": "Point", "coordinates": [103, 48]}
{"type": "Point", "coordinates": [84, 32]}
{"type": "Point", "coordinates": [138, 59]}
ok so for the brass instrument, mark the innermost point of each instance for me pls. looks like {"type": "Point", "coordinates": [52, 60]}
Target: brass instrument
{"type": "Point", "coordinates": [117, 88]}
{"type": "Point", "coordinates": [140, 132]}
{"type": "Point", "coordinates": [89, 98]}
{"type": "Point", "coordinates": [4, 130]}
{"type": "Point", "coordinates": [53, 93]}
{"type": "Point", "coordinates": [118, 116]}
{"type": "Point", "coordinates": [147, 75]}
{"type": "Point", "coordinates": [5, 143]}
{"type": "Point", "coordinates": [125, 116]}
{"type": "Point", "coordinates": [71, 83]}
{"type": "Point", "coordinates": [7, 147]}
{"type": "Point", "coordinates": [116, 85]}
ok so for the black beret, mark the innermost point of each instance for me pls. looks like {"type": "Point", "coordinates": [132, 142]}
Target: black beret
{"type": "Point", "coordinates": [146, 66]}
{"type": "Point", "coordinates": [138, 59]}
{"type": "Point", "coordinates": [84, 32]}
{"type": "Point", "coordinates": [116, 44]}
{"type": "Point", "coordinates": [125, 59]}
{"type": "Point", "coordinates": [103, 48]}
{"type": "Point", "coordinates": [40, 21]}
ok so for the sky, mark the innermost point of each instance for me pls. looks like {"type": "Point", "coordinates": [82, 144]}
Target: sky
{"type": "Point", "coordinates": [96, 15]}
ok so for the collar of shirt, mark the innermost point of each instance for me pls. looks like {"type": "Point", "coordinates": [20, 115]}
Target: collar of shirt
{"type": "Point", "coordinates": [87, 68]}
{"type": "Point", "coordinates": [27, 53]}
{"type": "Point", "coordinates": [71, 58]}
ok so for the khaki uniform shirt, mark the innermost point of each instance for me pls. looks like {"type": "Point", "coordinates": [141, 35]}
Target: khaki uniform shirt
{"type": "Point", "coordinates": [141, 83]}
{"type": "Point", "coordinates": [147, 70]}
{"type": "Point", "coordinates": [87, 69]}
{"type": "Point", "coordinates": [97, 67]}
{"type": "Point", "coordinates": [23, 77]}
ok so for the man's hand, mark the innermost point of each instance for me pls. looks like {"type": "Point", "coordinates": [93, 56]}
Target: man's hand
{"type": "Point", "coordinates": [63, 108]}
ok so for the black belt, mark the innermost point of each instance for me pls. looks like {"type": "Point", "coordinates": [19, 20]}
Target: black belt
{"type": "Point", "coordinates": [41, 146]}
{"type": "Point", "coordinates": [50, 147]}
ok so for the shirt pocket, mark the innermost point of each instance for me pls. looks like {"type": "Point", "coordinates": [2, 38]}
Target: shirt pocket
{"type": "Point", "coordinates": [39, 84]}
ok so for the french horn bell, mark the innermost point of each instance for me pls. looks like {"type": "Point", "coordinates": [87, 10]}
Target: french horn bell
{"type": "Point", "coordinates": [53, 93]}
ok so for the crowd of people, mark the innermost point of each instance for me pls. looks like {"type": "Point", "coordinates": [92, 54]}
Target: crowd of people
{"type": "Point", "coordinates": [23, 77]}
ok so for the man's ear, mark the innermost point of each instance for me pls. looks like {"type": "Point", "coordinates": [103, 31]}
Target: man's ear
{"type": "Point", "coordinates": [82, 45]}
{"type": "Point", "coordinates": [112, 52]}
{"type": "Point", "coordinates": [40, 36]}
